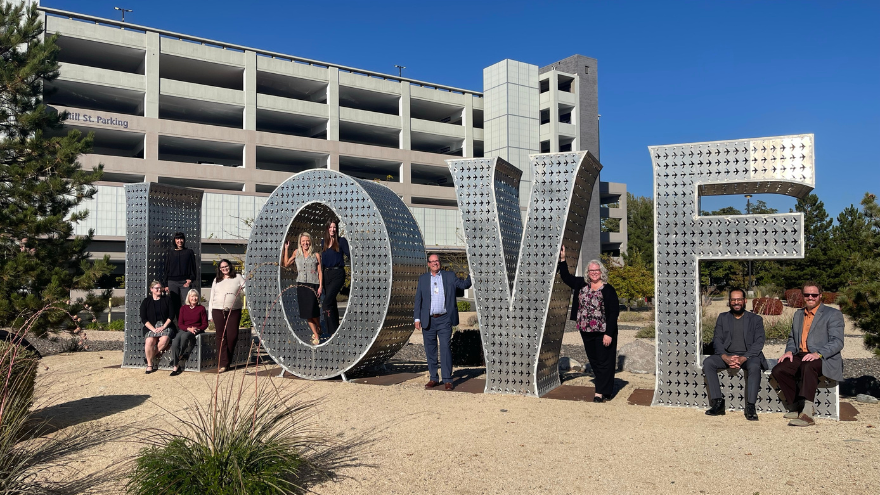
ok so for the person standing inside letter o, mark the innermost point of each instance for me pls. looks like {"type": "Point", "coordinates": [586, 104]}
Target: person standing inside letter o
{"type": "Point", "coordinates": [334, 251]}
{"type": "Point", "coordinates": [309, 282]}
{"type": "Point", "coordinates": [595, 310]}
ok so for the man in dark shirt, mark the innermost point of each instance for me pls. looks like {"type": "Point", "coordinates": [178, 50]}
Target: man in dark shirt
{"type": "Point", "coordinates": [180, 271]}
{"type": "Point", "coordinates": [739, 344]}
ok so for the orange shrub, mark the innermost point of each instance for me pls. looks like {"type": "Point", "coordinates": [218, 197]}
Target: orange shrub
{"type": "Point", "coordinates": [830, 297]}
{"type": "Point", "coordinates": [794, 298]}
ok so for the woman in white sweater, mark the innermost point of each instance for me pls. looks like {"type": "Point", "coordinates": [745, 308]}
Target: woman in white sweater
{"type": "Point", "coordinates": [227, 299]}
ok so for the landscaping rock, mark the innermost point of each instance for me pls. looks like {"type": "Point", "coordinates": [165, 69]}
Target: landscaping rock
{"type": "Point", "coordinates": [867, 399]}
{"type": "Point", "coordinates": [639, 356]}
{"type": "Point", "coordinates": [569, 364]}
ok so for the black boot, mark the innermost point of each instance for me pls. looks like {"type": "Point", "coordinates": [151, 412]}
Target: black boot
{"type": "Point", "coordinates": [717, 407]}
{"type": "Point", "coordinates": [750, 412]}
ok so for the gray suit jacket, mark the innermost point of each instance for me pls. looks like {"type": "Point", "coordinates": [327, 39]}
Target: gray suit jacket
{"type": "Point", "coordinates": [825, 337]}
{"type": "Point", "coordinates": [754, 335]}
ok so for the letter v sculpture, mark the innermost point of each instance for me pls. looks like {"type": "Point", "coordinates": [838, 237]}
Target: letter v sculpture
{"type": "Point", "coordinates": [522, 303]}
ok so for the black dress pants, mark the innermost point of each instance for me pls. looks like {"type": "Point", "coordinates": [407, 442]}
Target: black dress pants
{"type": "Point", "coordinates": [603, 360]}
{"type": "Point", "coordinates": [334, 278]}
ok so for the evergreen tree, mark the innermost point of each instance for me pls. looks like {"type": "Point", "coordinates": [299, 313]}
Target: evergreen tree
{"type": "Point", "coordinates": [851, 240]}
{"type": "Point", "coordinates": [861, 299]}
{"type": "Point", "coordinates": [41, 182]}
{"type": "Point", "coordinates": [640, 230]}
{"type": "Point", "coordinates": [818, 262]}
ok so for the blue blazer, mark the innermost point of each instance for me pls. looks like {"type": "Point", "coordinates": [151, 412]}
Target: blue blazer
{"type": "Point", "coordinates": [422, 310]}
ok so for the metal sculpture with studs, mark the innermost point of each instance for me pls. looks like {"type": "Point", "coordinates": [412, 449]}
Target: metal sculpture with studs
{"type": "Point", "coordinates": [682, 238]}
{"type": "Point", "coordinates": [387, 256]}
{"type": "Point", "coordinates": [522, 305]}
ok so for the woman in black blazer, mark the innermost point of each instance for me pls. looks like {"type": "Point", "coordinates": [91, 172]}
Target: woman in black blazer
{"type": "Point", "coordinates": [158, 328]}
{"type": "Point", "coordinates": [595, 309]}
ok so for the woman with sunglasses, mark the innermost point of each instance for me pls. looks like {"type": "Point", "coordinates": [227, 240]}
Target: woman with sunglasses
{"type": "Point", "coordinates": [227, 299]}
{"type": "Point", "coordinates": [595, 309]}
{"type": "Point", "coordinates": [158, 328]}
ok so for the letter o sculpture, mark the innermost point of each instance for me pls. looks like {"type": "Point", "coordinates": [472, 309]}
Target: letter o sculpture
{"type": "Point", "coordinates": [387, 257]}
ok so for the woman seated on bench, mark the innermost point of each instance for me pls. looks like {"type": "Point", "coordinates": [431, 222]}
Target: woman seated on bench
{"type": "Point", "coordinates": [158, 327]}
{"type": "Point", "coordinates": [193, 320]}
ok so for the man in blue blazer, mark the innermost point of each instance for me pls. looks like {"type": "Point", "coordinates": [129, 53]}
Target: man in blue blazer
{"type": "Point", "coordinates": [813, 350]}
{"type": "Point", "coordinates": [739, 344]}
{"type": "Point", "coordinates": [435, 314]}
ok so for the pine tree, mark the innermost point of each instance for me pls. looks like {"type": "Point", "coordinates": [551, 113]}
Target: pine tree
{"type": "Point", "coordinates": [861, 299]}
{"type": "Point", "coordinates": [640, 230]}
{"type": "Point", "coordinates": [41, 182]}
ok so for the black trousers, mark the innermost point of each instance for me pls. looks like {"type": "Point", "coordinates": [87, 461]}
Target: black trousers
{"type": "Point", "coordinates": [603, 360]}
{"type": "Point", "coordinates": [713, 363]}
{"type": "Point", "coordinates": [334, 278]}
{"type": "Point", "coordinates": [181, 346]}
{"type": "Point", "coordinates": [226, 324]}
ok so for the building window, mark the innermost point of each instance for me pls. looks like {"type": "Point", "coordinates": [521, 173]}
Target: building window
{"type": "Point", "coordinates": [586, 69]}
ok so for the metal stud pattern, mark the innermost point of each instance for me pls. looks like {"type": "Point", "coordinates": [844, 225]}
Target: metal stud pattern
{"type": "Point", "coordinates": [387, 256]}
{"type": "Point", "coordinates": [522, 305]}
{"type": "Point", "coordinates": [154, 212]}
{"type": "Point", "coordinates": [683, 173]}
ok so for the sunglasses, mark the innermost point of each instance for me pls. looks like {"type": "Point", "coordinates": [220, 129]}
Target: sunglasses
{"type": "Point", "coordinates": [811, 295]}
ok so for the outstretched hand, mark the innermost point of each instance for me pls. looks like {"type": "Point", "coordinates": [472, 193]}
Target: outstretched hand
{"type": "Point", "coordinates": [562, 254]}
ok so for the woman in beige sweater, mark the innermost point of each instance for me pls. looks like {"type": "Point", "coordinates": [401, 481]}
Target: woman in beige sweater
{"type": "Point", "coordinates": [224, 308]}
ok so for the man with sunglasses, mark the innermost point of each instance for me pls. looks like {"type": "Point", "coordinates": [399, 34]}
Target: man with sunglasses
{"type": "Point", "coordinates": [739, 343]}
{"type": "Point", "coordinates": [813, 350]}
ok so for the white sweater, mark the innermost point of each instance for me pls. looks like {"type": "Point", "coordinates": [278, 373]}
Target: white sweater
{"type": "Point", "coordinates": [226, 294]}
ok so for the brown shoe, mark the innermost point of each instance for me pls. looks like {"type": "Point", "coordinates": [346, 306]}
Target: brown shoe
{"type": "Point", "coordinates": [449, 386]}
{"type": "Point", "coordinates": [802, 420]}
{"type": "Point", "coordinates": [431, 384]}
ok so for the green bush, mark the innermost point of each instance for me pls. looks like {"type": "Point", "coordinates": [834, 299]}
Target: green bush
{"type": "Point", "coordinates": [236, 444]}
{"type": "Point", "coordinates": [245, 319]}
{"type": "Point", "coordinates": [708, 325]}
{"type": "Point", "coordinates": [647, 332]}
{"type": "Point", "coordinates": [118, 325]}
{"type": "Point", "coordinates": [778, 328]}
{"type": "Point", "coordinates": [463, 306]}
{"type": "Point", "coordinates": [18, 393]}
{"type": "Point", "coordinates": [630, 316]}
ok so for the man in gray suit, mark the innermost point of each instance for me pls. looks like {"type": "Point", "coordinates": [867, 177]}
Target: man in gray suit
{"type": "Point", "coordinates": [739, 344]}
{"type": "Point", "coordinates": [813, 350]}
{"type": "Point", "coordinates": [435, 314]}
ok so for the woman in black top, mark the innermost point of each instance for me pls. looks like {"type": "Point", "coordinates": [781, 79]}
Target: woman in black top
{"type": "Point", "coordinates": [334, 250]}
{"type": "Point", "coordinates": [180, 272]}
{"type": "Point", "coordinates": [595, 309]}
{"type": "Point", "coordinates": [158, 328]}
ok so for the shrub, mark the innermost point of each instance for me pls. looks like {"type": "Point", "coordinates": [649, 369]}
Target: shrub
{"type": "Point", "coordinates": [463, 306]}
{"type": "Point", "coordinates": [769, 290]}
{"type": "Point", "coordinates": [245, 319]}
{"type": "Point", "coordinates": [778, 328]}
{"type": "Point", "coordinates": [708, 327]}
{"type": "Point", "coordinates": [766, 306]}
{"type": "Point", "coordinates": [237, 444]}
{"type": "Point", "coordinates": [118, 325]}
{"type": "Point", "coordinates": [830, 297]}
{"type": "Point", "coordinates": [647, 332]}
{"type": "Point", "coordinates": [630, 316]}
{"type": "Point", "coordinates": [17, 397]}
{"type": "Point", "coordinates": [115, 302]}
{"type": "Point", "coordinates": [794, 298]}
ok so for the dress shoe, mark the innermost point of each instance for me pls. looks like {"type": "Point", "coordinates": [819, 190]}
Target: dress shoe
{"type": "Point", "coordinates": [449, 386]}
{"type": "Point", "coordinates": [431, 384]}
{"type": "Point", "coordinates": [176, 372]}
{"type": "Point", "coordinates": [222, 370]}
{"type": "Point", "coordinates": [751, 413]}
{"type": "Point", "coordinates": [717, 408]}
{"type": "Point", "coordinates": [795, 410]}
{"type": "Point", "coordinates": [598, 399]}
{"type": "Point", "coordinates": [802, 420]}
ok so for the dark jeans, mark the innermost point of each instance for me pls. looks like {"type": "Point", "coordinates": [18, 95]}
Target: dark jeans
{"type": "Point", "coordinates": [177, 293]}
{"type": "Point", "coordinates": [603, 360]}
{"type": "Point", "coordinates": [226, 324]}
{"type": "Point", "coordinates": [798, 378]}
{"type": "Point", "coordinates": [713, 363]}
{"type": "Point", "coordinates": [181, 346]}
{"type": "Point", "coordinates": [334, 278]}
{"type": "Point", "coordinates": [440, 329]}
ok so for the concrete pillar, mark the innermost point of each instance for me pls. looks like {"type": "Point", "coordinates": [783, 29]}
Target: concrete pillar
{"type": "Point", "coordinates": [554, 111]}
{"type": "Point", "coordinates": [151, 145]}
{"type": "Point", "coordinates": [249, 160]}
{"type": "Point", "coordinates": [405, 138]}
{"type": "Point", "coordinates": [576, 115]}
{"type": "Point", "coordinates": [333, 106]}
{"type": "Point", "coordinates": [333, 161]}
{"type": "Point", "coordinates": [250, 90]}
{"type": "Point", "coordinates": [406, 178]}
{"type": "Point", "coordinates": [467, 120]}
{"type": "Point", "coordinates": [250, 187]}
{"type": "Point", "coordinates": [151, 75]}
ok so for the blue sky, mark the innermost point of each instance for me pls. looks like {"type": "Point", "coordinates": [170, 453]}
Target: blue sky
{"type": "Point", "coordinates": [669, 72]}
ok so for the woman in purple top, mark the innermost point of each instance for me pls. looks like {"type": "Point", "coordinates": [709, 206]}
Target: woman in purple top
{"type": "Point", "coordinates": [191, 321]}
{"type": "Point", "coordinates": [595, 309]}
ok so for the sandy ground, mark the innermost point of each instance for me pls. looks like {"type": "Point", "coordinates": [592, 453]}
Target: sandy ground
{"type": "Point", "coordinates": [461, 443]}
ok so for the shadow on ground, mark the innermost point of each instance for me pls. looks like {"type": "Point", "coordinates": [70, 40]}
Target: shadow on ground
{"type": "Point", "coordinates": [72, 413]}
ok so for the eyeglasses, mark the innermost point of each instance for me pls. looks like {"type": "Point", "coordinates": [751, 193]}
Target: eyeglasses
{"type": "Point", "coordinates": [811, 295]}
{"type": "Point", "coordinates": [434, 261]}
{"type": "Point", "coordinates": [595, 271]}
{"type": "Point", "coordinates": [739, 299]}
